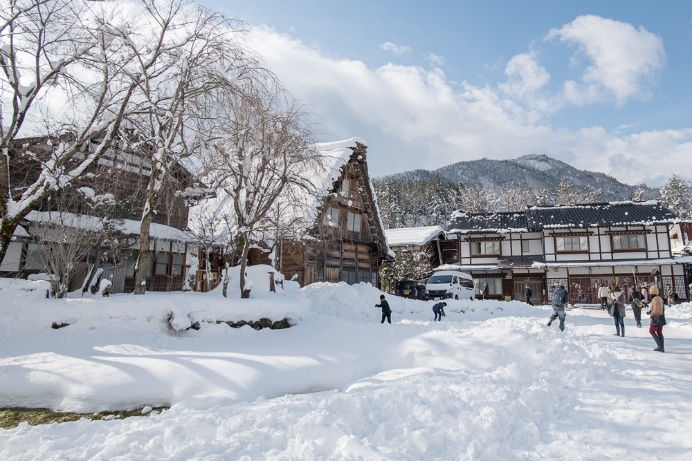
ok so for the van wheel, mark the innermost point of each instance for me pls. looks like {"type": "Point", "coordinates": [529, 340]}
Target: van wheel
{"type": "Point", "coordinates": [456, 297]}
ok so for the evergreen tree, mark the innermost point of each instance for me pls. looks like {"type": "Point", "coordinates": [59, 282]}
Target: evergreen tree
{"type": "Point", "coordinates": [675, 195]}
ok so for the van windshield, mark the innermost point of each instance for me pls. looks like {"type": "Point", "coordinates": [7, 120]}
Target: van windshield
{"type": "Point", "coordinates": [407, 285]}
{"type": "Point", "coordinates": [440, 279]}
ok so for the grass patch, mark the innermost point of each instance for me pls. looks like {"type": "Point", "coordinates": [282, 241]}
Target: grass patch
{"type": "Point", "coordinates": [11, 417]}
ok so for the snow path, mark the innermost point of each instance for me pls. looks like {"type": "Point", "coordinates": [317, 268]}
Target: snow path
{"type": "Point", "coordinates": [491, 383]}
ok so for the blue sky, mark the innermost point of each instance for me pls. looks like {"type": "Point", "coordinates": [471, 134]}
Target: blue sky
{"type": "Point", "coordinates": [602, 85]}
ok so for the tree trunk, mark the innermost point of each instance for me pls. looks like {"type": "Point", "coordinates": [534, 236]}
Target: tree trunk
{"type": "Point", "coordinates": [243, 263]}
{"type": "Point", "coordinates": [143, 257]}
{"type": "Point", "coordinates": [95, 267]}
{"type": "Point", "coordinates": [7, 228]}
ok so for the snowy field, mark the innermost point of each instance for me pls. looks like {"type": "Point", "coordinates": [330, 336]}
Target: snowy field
{"type": "Point", "coordinates": [489, 382]}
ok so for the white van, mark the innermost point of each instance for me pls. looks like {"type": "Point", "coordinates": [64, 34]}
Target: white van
{"type": "Point", "coordinates": [447, 282]}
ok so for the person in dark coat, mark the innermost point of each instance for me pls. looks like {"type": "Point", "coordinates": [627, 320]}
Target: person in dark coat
{"type": "Point", "coordinates": [559, 303]}
{"type": "Point", "coordinates": [386, 310]}
{"type": "Point", "coordinates": [646, 296]}
{"type": "Point", "coordinates": [439, 310]}
{"type": "Point", "coordinates": [617, 309]}
{"type": "Point", "coordinates": [636, 302]}
{"type": "Point", "coordinates": [486, 291]}
{"type": "Point", "coordinates": [527, 295]}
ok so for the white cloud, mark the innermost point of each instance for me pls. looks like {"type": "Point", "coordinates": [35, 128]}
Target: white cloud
{"type": "Point", "coordinates": [416, 118]}
{"type": "Point", "coordinates": [622, 59]}
{"type": "Point", "coordinates": [396, 49]}
{"type": "Point", "coordinates": [434, 59]}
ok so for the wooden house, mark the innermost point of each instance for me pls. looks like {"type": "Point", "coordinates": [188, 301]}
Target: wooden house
{"type": "Point", "coordinates": [345, 240]}
{"type": "Point", "coordinates": [582, 246]}
{"type": "Point", "coordinates": [119, 177]}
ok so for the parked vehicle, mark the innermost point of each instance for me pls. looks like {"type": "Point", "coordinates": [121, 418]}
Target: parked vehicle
{"type": "Point", "coordinates": [450, 283]}
{"type": "Point", "coordinates": [414, 289]}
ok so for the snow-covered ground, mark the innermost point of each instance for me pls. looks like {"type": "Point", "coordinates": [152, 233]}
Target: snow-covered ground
{"type": "Point", "coordinates": [489, 382]}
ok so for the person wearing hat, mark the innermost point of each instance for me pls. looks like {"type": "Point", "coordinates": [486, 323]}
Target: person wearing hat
{"type": "Point", "coordinates": [386, 310]}
{"type": "Point", "coordinates": [658, 319]}
{"type": "Point", "coordinates": [439, 310]}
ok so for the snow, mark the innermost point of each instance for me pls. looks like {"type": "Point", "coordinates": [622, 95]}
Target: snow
{"type": "Point", "coordinates": [126, 226]}
{"type": "Point", "coordinates": [412, 235]}
{"type": "Point", "coordinates": [489, 382]}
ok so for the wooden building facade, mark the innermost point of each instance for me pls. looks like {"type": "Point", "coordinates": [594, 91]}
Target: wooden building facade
{"type": "Point", "coordinates": [346, 243]}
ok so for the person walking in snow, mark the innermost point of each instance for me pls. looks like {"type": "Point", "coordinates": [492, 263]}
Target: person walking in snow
{"type": "Point", "coordinates": [670, 293]}
{"type": "Point", "coordinates": [646, 296]}
{"type": "Point", "coordinates": [527, 295]}
{"type": "Point", "coordinates": [617, 309]}
{"type": "Point", "coordinates": [486, 291]}
{"type": "Point", "coordinates": [636, 302]}
{"type": "Point", "coordinates": [604, 294]}
{"type": "Point", "coordinates": [386, 310]}
{"type": "Point", "coordinates": [658, 319]}
{"type": "Point", "coordinates": [559, 302]}
{"type": "Point", "coordinates": [439, 310]}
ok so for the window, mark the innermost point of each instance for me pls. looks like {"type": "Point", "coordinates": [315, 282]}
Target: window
{"type": "Point", "coordinates": [345, 187]}
{"type": "Point", "coordinates": [525, 247]}
{"type": "Point", "coordinates": [629, 242]}
{"type": "Point", "coordinates": [161, 263]}
{"type": "Point", "coordinates": [449, 255]}
{"type": "Point", "coordinates": [494, 286]}
{"type": "Point", "coordinates": [348, 277]}
{"type": "Point", "coordinates": [178, 262]}
{"type": "Point", "coordinates": [331, 217]}
{"type": "Point", "coordinates": [576, 243]}
{"type": "Point", "coordinates": [485, 248]}
{"type": "Point", "coordinates": [353, 222]}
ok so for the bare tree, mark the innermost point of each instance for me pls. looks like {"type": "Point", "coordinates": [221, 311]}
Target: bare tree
{"type": "Point", "coordinates": [201, 57]}
{"type": "Point", "coordinates": [69, 51]}
{"type": "Point", "coordinates": [64, 239]}
{"type": "Point", "coordinates": [262, 158]}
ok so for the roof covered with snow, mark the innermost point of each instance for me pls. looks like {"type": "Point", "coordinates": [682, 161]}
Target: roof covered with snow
{"type": "Point", "coordinates": [412, 235]}
{"type": "Point", "coordinates": [599, 215]}
{"type": "Point", "coordinates": [564, 216]}
{"type": "Point", "coordinates": [93, 223]}
{"type": "Point", "coordinates": [464, 223]}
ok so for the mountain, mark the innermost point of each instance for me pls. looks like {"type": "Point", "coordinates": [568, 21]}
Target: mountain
{"type": "Point", "coordinates": [528, 172]}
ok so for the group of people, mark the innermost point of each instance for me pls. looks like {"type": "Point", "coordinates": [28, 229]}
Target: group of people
{"type": "Point", "coordinates": [438, 310]}
{"type": "Point", "coordinates": [615, 300]}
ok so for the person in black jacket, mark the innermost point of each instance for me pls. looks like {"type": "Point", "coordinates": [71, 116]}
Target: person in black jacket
{"type": "Point", "coordinates": [636, 301]}
{"type": "Point", "coordinates": [486, 291]}
{"type": "Point", "coordinates": [386, 310]}
{"type": "Point", "coordinates": [527, 295]}
{"type": "Point", "coordinates": [439, 310]}
{"type": "Point", "coordinates": [559, 303]}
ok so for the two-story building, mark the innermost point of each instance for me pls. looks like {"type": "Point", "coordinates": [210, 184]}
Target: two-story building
{"type": "Point", "coordinates": [582, 246]}
{"type": "Point", "coordinates": [119, 177]}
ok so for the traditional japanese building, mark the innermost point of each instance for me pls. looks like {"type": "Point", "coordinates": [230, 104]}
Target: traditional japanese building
{"type": "Point", "coordinates": [582, 246]}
